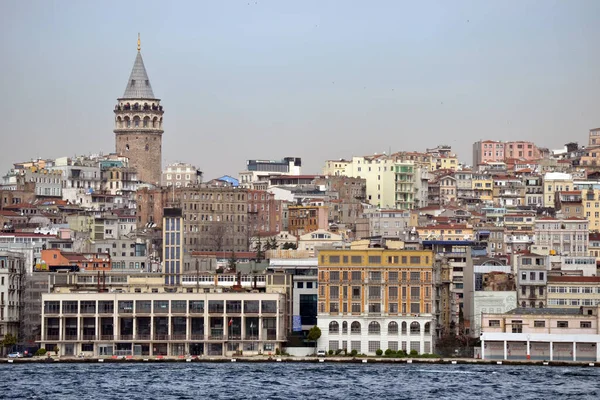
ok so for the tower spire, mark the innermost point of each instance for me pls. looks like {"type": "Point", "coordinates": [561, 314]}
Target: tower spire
{"type": "Point", "coordinates": [139, 42]}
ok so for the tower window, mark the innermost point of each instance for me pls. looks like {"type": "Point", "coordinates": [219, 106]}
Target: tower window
{"type": "Point", "coordinates": [147, 83]}
{"type": "Point", "coordinates": [132, 82]}
{"type": "Point", "coordinates": [147, 147]}
{"type": "Point", "coordinates": [127, 147]}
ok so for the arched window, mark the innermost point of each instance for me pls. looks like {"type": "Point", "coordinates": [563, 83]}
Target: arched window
{"type": "Point", "coordinates": [334, 327]}
{"type": "Point", "coordinates": [136, 106]}
{"type": "Point", "coordinates": [344, 327]}
{"type": "Point", "coordinates": [146, 122]}
{"type": "Point", "coordinates": [155, 122]}
{"type": "Point", "coordinates": [355, 328]}
{"type": "Point", "coordinates": [136, 121]}
{"type": "Point", "coordinates": [541, 304]}
{"type": "Point", "coordinates": [523, 304]}
{"type": "Point", "coordinates": [127, 147]}
{"type": "Point", "coordinates": [147, 147]}
{"type": "Point", "coordinates": [119, 122]}
{"type": "Point", "coordinates": [127, 122]}
{"type": "Point", "coordinates": [532, 304]}
{"type": "Point", "coordinates": [427, 327]}
{"type": "Point", "coordinates": [415, 328]}
{"type": "Point", "coordinates": [404, 328]}
{"type": "Point", "coordinates": [393, 328]}
{"type": "Point", "coordinates": [160, 123]}
{"type": "Point", "coordinates": [374, 328]}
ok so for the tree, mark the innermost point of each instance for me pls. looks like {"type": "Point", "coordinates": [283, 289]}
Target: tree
{"type": "Point", "coordinates": [232, 263]}
{"type": "Point", "coordinates": [9, 340]}
{"type": "Point", "coordinates": [289, 246]}
{"type": "Point", "coordinates": [260, 254]}
{"type": "Point", "coordinates": [314, 334]}
{"type": "Point", "coordinates": [218, 232]}
{"type": "Point", "coordinates": [272, 242]}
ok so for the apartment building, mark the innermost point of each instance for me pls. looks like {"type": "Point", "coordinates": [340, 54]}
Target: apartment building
{"type": "Point", "coordinates": [12, 270]}
{"type": "Point", "coordinates": [532, 276]}
{"type": "Point", "coordinates": [163, 324]}
{"type": "Point", "coordinates": [573, 291]}
{"type": "Point", "coordinates": [563, 236]}
{"type": "Point", "coordinates": [181, 175]}
{"type": "Point", "coordinates": [376, 299]}
{"type": "Point", "coordinates": [555, 182]}
{"type": "Point", "coordinates": [307, 218]}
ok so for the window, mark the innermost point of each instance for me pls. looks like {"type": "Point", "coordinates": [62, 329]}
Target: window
{"type": "Point", "coordinates": [393, 346]}
{"type": "Point", "coordinates": [300, 285]}
{"type": "Point", "coordinates": [393, 328]}
{"type": "Point", "coordinates": [415, 259]}
{"type": "Point", "coordinates": [334, 327]}
{"type": "Point", "coordinates": [374, 328]}
{"type": "Point", "coordinates": [539, 324]}
{"type": "Point", "coordinates": [355, 345]}
{"type": "Point", "coordinates": [374, 346]}
{"type": "Point", "coordinates": [517, 326]}
{"type": "Point", "coordinates": [415, 328]}
{"type": "Point", "coordinates": [585, 324]}
{"type": "Point", "coordinates": [494, 323]}
{"type": "Point", "coordinates": [562, 324]}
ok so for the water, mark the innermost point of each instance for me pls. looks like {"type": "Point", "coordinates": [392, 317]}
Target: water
{"type": "Point", "coordinates": [271, 381]}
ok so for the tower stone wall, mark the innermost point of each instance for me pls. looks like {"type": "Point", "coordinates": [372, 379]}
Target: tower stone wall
{"type": "Point", "coordinates": [138, 125]}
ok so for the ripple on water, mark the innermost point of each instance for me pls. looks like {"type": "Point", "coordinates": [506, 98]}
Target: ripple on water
{"type": "Point", "coordinates": [294, 381]}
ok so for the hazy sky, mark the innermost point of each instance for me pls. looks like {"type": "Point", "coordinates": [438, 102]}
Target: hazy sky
{"type": "Point", "coordinates": [312, 79]}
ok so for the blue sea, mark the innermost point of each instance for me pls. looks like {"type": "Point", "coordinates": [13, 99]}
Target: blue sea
{"type": "Point", "coordinates": [295, 381]}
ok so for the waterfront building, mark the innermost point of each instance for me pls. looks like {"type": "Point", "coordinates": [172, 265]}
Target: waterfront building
{"type": "Point", "coordinates": [573, 291]}
{"type": "Point", "coordinates": [376, 299]}
{"type": "Point", "coordinates": [532, 276]}
{"type": "Point", "coordinates": [12, 269]}
{"type": "Point", "coordinates": [552, 334]}
{"type": "Point", "coordinates": [163, 324]}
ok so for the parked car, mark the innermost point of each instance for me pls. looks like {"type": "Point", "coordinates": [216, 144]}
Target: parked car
{"type": "Point", "coordinates": [16, 354]}
{"type": "Point", "coordinates": [321, 353]}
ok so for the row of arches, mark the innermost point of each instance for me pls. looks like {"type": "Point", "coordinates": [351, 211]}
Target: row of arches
{"type": "Point", "coordinates": [138, 106]}
{"type": "Point", "coordinates": [137, 122]}
{"type": "Point", "coordinates": [374, 328]}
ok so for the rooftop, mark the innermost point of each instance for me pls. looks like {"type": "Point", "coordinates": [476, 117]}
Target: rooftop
{"type": "Point", "coordinates": [544, 311]}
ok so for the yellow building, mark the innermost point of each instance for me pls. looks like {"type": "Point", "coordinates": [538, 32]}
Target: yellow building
{"type": "Point", "coordinates": [376, 299]}
{"type": "Point", "coordinates": [336, 167]}
{"type": "Point", "coordinates": [591, 207]}
{"type": "Point", "coordinates": [483, 187]}
{"type": "Point", "coordinates": [555, 182]}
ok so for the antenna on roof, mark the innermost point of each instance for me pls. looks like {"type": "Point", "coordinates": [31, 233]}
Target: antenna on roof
{"type": "Point", "coordinates": [139, 42]}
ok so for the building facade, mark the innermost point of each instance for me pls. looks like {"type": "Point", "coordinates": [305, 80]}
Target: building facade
{"type": "Point", "coordinates": [162, 324]}
{"type": "Point", "coordinates": [376, 299]}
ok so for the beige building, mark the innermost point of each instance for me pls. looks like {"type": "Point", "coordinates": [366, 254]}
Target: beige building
{"type": "Point", "coordinates": [552, 334]}
{"type": "Point", "coordinates": [181, 175]}
{"type": "Point", "coordinates": [565, 237]}
{"type": "Point", "coordinates": [573, 291]}
{"type": "Point", "coordinates": [555, 182]}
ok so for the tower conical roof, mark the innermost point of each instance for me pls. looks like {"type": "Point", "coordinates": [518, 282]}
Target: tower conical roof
{"type": "Point", "coordinates": [138, 85]}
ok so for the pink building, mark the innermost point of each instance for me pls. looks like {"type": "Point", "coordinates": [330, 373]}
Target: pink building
{"type": "Point", "coordinates": [522, 150]}
{"type": "Point", "coordinates": [488, 151]}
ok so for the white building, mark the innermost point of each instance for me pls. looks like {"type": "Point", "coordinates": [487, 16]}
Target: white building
{"type": "Point", "coordinates": [181, 175]}
{"type": "Point", "coordinates": [12, 269]}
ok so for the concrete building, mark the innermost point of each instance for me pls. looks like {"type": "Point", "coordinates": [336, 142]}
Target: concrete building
{"type": "Point", "coordinates": [563, 236]}
{"type": "Point", "coordinates": [163, 324]}
{"type": "Point", "coordinates": [258, 172]}
{"type": "Point", "coordinates": [552, 334]}
{"type": "Point", "coordinates": [573, 291]}
{"type": "Point", "coordinates": [173, 245]}
{"type": "Point", "coordinates": [376, 299]}
{"type": "Point", "coordinates": [139, 124]}
{"type": "Point", "coordinates": [181, 175]}
{"type": "Point", "coordinates": [555, 182]}
{"type": "Point", "coordinates": [532, 276]}
{"type": "Point", "coordinates": [12, 269]}
{"type": "Point", "coordinates": [307, 218]}
{"type": "Point", "coordinates": [315, 240]}
{"type": "Point", "coordinates": [487, 151]}
{"type": "Point", "coordinates": [386, 223]}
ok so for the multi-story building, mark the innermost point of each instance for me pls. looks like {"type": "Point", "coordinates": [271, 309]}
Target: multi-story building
{"type": "Point", "coordinates": [163, 324]}
{"type": "Point", "coordinates": [483, 185]}
{"type": "Point", "coordinates": [172, 245]}
{"type": "Point", "coordinates": [487, 151]}
{"type": "Point", "coordinates": [336, 167]}
{"type": "Point", "coordinates": [12, 270]}
{"type": "Point", "coordinates": [591, 155]}
{"type": "Point", "coordinates": [522, 150]}
{"type": "Point", "coordinates": [534, 190]}
{"type": "Point", "coordinates": [181, 175]}
{"type": "Point", "coordinates": [258, 172]}
{"type": "Point", "coordinates": [573, 291]}
{"type": "Point", "coordinates": [265, 213]}
{"type": "Point", "coordinates": [386, 223]}
{"type": "Point", "coordinates": [570, 204]}
{"type": "Point", "coordinates": [563, 236]}
{"type": "Point", "coordinates": [307, 218]}
{"type": "Point", "coordinates": [555, 182]}
{"type": "Point", "coordinates": [532, 275]}
{"type": "Point", "coordinates": [591, 207]}
{"type": "Point", "coordinates": [509, 191]}
{"type": "Point", "coordinates": [376, 299]}
{"type": "Point", "coordinates": [554, 334]}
